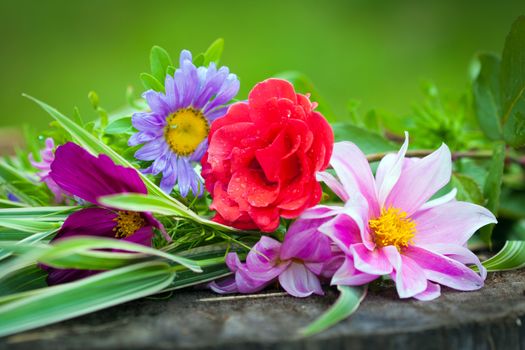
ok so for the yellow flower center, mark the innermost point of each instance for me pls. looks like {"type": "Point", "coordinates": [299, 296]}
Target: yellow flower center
{"type": "Point", "coordinates": [185, 130]}
{"type": "Point", "coordinates": [393, 227]}
{"type": "Point", "coordinates": [128, 222]}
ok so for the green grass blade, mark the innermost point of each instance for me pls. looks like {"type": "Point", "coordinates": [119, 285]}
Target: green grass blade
{"type": "Point", "coordinates": [70, 300]}
{"type": "Point", "coordinates": [347, 303]}
{"type": "Point", "coordinates": [510, 257]}
{"type": "Point", "coordinates": [27, 225]}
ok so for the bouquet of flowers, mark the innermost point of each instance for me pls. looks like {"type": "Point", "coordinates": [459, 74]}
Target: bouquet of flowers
{"type": "Point", "coordinates": [194, 185]}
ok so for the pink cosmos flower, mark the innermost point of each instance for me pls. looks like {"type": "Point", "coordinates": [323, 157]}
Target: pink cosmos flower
{"type": "Point", "coordinates": [389, 225]}
{"type": "Point", "coordinates": [47, 154]}
{"type": "Point", "coordinates": [297, 263]}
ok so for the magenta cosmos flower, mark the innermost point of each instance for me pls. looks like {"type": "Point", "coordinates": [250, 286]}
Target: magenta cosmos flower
{"type": "Point", "coordinates": [174, 133]}
{"type": "Point", "coordinates": [389, 225]}
{"type": "Point", "coordinates": [297, 263]}
{"type": "Point", "coordinates": [88, 177]}
{"type": "Point", "coordinates": [47, 156]}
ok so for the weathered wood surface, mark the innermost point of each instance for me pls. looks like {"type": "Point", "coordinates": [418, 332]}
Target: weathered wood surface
{"type": "Point", "coordinates": [487, 319]}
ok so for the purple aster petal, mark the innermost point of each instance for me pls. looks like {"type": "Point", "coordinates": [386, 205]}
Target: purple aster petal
{"type": "Point", "coordinates": [216, 113]}
{"type": "Point", "coordinates": [169, 178]}
{"type": "Point", "coordinates": [443, 270]}
{"type": "Point", "coordinates": [190, 80]}
{"type": "Point", "coordinates": [451, 223]}
{"type": "Point", "coordinates": [199, 152]}
{"type": "Point", "coordinates": [156, 101]}
{"type": "Point", "coordinates": [150, 122]}
{"type": "Point", "coordinates": [226, 93]}
{"type": "Point", "coordinates": [214, 80]}
{"type": "Point", "coordinates": [184, 173]}
{"type": "Point", "coordinates": [152, 150]}
{"type": "Point", "coordinates": [348, 275]}
{"type": "Point", "coordinates": [142, 137]}
{"type": "Point", "coordinates": [300, 282]}
{"type": "Point", "coordinates": [172, 94]}
{"type": "Point", "coordinates": [78, 172]}
{"type": "Point", "coordinates": [185, 55]}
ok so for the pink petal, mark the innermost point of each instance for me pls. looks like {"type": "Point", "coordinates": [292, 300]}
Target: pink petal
{"type": "Point", "coordinates": [459, 253]}
{"type": "Point", "coordinates": [321, 211]}
{"type": "Point", "coordinates": [388, 172]}
{"type": "Point", "coordinates": [333, 184]}
{"type": "Point", "coordinates": [348, 275]}
{"type": "Point", "coordinates": [305, 242]}
{"type": "Point", "coordinates": [443, 270]}
{"type": "Point", "coordinates": [419, 181]}
{"type": "Point", "coordinates": [432, 292]}
{"type": "Point", "coordinates": [343, 231]}
{"type": "Point", "coordinates": [374, 262]}
{"type": "Point", "coordinates": [353, 170]}
{"type": "Point", "coordinates": [439, 201]}
{"type": "Point", "coordinates": [409, 277]}
{"type": "Point", "coordinates": [224, 286]}
{"type": "Point", "coordinates": [450, 223]}
{"type": "Point", "coordinates": [300, 282]}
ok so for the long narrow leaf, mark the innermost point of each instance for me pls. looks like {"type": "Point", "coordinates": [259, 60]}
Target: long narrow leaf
{"type": "Point", "coordinates": [66, 301]}
{"type": "Point", "coordinates": [347, 303]}
{"type": "Point", "coordinates": [510, 257]}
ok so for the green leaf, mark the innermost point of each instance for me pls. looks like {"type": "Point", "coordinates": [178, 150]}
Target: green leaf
{"type": "Point", "coordinates": [94, 293]}
{"type": "Point", "coordinates": [513, 84]}
{"type": "Point", "coordinates": [26, 225]}
{"type": "Point", "coordinates": [119, 126]}
{"type": "Point", "coordinates": [29, 278]}
{"type": "Point", "coordinates": [368, 142]}
{"type": "Point", "coordinates": [347, 303]}
{"type": "Point", "coordinates": [468, 189]}
{"type": "Point", "coordinates": [510, 257]}
{"type": "Point", "coordinates": [198, 60]}
{"type": "Point", "coordinates": [486, 91]}
{"type": "Point", "coordinates": [150, 82]}
{"type": "Point", "coordinates": [170, 71]}
{"type": "Point", "coordinates": [492, 188]}
{"type": "Point", "coordinates": [214, 52]}
{"type": "Point", "coordinates": [18, 184]}
{"type": "Point", "coordinates": [160, 61]}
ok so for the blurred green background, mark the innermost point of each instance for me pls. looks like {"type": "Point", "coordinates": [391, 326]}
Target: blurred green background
{"type": "Point", "coordinates": [377, 52]}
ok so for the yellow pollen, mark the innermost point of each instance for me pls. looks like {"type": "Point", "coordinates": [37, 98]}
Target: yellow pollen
{"type": "Point", "coordinates": [393, 227]}
{"type": "Point", "coordinates": [185, 130]}
{"type": "Point", "coordinates": [128, 222]}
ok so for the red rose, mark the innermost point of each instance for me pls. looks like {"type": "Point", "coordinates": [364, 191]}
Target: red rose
{"type": "Point", "coordinates": [263, 156]}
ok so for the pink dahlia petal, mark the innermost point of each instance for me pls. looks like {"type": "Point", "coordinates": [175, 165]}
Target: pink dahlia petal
{"type": "Point", "coordinates": [374, 262]}
{"type": "Point", "coordinates": [432, 292]}
{"type": "Point", "coordinates": [419, 181]}
{"type": "Point", "coordinates": [459, 253]}
{"type": "Point", "coordinates": [300, 282]}
{"type": "Point", "coordinates": [321, 211]}
{"type": "Point", "coordinates": [333, 184]}
{"type": "Point", "coordinates": [348, 275]}
{"type": "Point", "coordinates": [353, 170]}
{"type": "Point", "coordinates": [343, 231]}
{"type": "Point", "coordinates": [409, 277]}
{"type": "Point", "coordinates": [450, 223]}
{"type": "Point", "coordinates": [449, 197]}
{"type": "Point", "coordinates": [389, 171]}
{"type": "Point", "coordinates": [443, 270]}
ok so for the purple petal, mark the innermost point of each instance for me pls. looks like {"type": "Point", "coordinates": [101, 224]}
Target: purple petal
{"type": "Point", "coordinates": [264, 254]}
{"type": "Point", "coordinates": [151, 122]}
{"type": "Point", "coordinates": [228, 90]}
{"type": "Point", "coordinates": [343, 231]}
{"type": "Point", "coordinates": [450, 223]}
{"type": "Point", "coordinates": [185, 55]}
{"type": "Point", "coordinates": [348, 275]}
{"type": "Point", "coordinates": [374, 262]}
{"type": "Point", "coordinates": [185, 171]}
{"type": "Point", "coordinates": [157, 103]}
{"type": "Point", "coordinates": [142, 236]}
{"type": "Point", "coordinates": [152, 150]}
{"type": "Point", "coordinates": [443, 270]}
{"type": "Point", "coordinates": [172, 94]}
{"type": "Point", "coordinates": [300, 282]}
{"type": "Point", "coordinates": [224, 286]}
{"type": "Point", "coordinates": [78, 172]}
{"type": "Point", "coordinates": [89, 222]}
{"type": "Point", "coordinates": [420, 181]}
{"type": "Point", "coordinates": [305, 242]}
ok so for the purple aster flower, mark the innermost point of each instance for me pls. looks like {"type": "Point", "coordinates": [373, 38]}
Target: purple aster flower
{"type": "Point", "coordinates": [175, 131]}
{"type": "Point", "coordinates": [88, 177]}
{"type": "Point", "coordinates": [44, 166]}
{"type": "Point", "coordinates": [297, 263]}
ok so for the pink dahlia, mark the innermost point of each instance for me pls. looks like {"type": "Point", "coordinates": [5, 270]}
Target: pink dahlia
{"type": "Point", "coordinates": [389, 225]}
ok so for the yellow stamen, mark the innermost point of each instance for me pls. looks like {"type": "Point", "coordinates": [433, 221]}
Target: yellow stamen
{"type": "Point", "coordinates": [128, 222]}
{"type": "Point", "coordinates": [185, 130]}
{"type": "Point", "coordinates": [393, 227]}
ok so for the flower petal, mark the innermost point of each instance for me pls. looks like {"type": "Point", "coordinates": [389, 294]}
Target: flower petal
{"type": "Point", "coordinates": [333, 184]}
{"type": "Point", "coordinates": [450, 223]}
{"type": "Point", "coordinates": [304, 241]}
{"type": "Point", "coordinates": [443, 270]}
{"type": "Point", "coordinates": [374, 262]}
{"type": "Point", "coordinates": [343, 231]}
{"type": "Point", "coordinates": [432, 292]}
{"type": "Point", "coordinates": [300, 282]}
{"type": "Point", "coordinates": [409, 277]}
{"type": "Point", "coordinates": [419, 181]}
{"type": "Point", "coordinates": [348, 275]}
